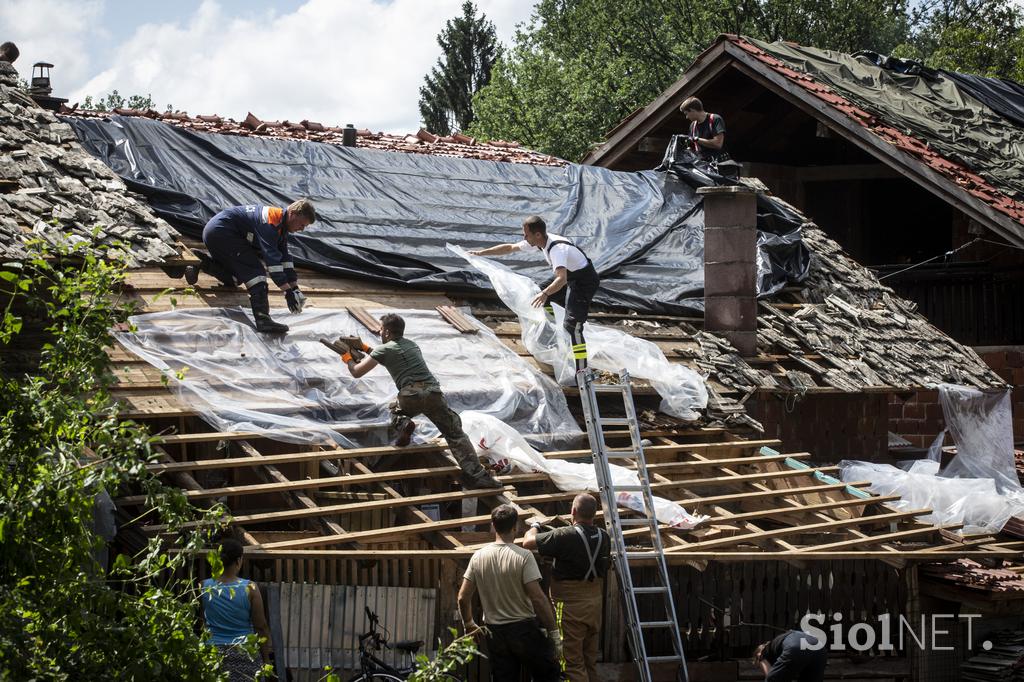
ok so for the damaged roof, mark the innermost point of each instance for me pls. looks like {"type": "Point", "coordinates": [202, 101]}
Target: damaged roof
{"type": "Point", "coordinates": [420, 142]}
{"type": "Point", "coordinates": [927, 128]}
{"type": "Point", "coordinates": [50, 187]}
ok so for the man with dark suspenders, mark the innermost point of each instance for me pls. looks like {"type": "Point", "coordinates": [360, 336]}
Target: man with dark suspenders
{"type": "Point", "coordinates": [582, 552]}
{"type": "Point", "coordinates": [576, 279]}
{"type": "Point", "coordinates": [707, 131]}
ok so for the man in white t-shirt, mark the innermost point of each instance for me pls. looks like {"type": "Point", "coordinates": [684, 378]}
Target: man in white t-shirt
{"type": "Point", "coordinates": [523, 631]}
{"type": "Point", "coordinates": [575, 278]}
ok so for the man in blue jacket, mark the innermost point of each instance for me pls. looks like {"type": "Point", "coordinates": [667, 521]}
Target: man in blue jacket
{"type": "Point", "coordinates": [243, 239]}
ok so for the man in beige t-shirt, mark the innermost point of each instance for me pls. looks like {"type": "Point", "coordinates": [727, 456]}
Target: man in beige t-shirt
{"type": "Point", "coordinates": [515, 607]}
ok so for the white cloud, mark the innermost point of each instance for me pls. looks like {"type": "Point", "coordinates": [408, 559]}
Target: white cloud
{"type": "Point", "coordinates": [332, 61]}
{"type": "Point", "coordinates": [57, 31]}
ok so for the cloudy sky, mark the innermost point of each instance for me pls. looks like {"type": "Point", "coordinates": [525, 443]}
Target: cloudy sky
{"type": "Point", "coordinates": [332, 61]}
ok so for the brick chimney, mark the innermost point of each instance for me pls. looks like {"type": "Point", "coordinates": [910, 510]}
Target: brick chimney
{"type": "Point", "coordinates": [730, 265]}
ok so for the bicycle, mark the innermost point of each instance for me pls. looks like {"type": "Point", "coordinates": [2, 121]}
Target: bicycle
{"type": "Point", "coordinates": [372, 668]}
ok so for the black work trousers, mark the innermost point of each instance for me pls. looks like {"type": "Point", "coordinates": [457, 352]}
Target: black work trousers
{"type": "Point", "coordinates": [519, 646]}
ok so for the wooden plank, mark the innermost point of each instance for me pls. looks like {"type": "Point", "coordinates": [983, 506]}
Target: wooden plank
{"type": "Point", "coordinates": [785, 511]}
{"type": "Point", "coordinates": [742, 478]}
{"type": "Point", "coordinates": [295, 457]}
{"type": "Point", "coordinates": [394, 531]}
{"type": "Point", "coordinates": [675, 558]}
{"type": "Point", "coordinates": [323, 510]}
{"type": "Point", "coordinates": [365, 318]}
{"type": "Point", "coordinates": [874, 539]}
{"type": "Point", "coordinates": [455, 318]}
{"type": "Point", "coordinates": [807, 528]}
{"type": "Point", "coordinates": [326, 482]}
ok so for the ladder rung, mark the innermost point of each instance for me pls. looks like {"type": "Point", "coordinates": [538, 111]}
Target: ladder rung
{"type": "Point", "coordinates": [649, 590]}
{"type": "Point", "coordinates": [613, 421]}
{"type": "Point", "coordinates": [628, 488]}
{"type": "Point", "coordinates": [657, 624]}
{"type": "Point", "coordinates": [642, 555]}
{"type": "Point", "coordinates": [608, 388]}
{"type": "Point", "coordinates": [634, 522]}
{"type": "Point", "coordinates": [619, 454]}
{"type": "Point", "coordinates": [663, 659]}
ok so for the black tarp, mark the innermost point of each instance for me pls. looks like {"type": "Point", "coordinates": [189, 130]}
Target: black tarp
{"type": "Point", "coordinates": [387, 216]}
{"type": "Point", "coordinates": [1003, 96]}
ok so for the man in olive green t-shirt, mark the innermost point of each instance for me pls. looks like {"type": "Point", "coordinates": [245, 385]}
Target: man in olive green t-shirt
{"type": "Point", "coordinates": [523, 631]}
{"type": "Point", "coordinates": [419, 393]}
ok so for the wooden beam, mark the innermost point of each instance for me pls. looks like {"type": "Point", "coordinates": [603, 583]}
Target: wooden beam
{"type": "Point", "coordinates": [874, 539]}
{"type": "Point", "coordinates": [292, 458]}
{"type": "Point", "coordinates": [743, 478]}
{"type": "Point", "coordinates": [379, 533]}
{"type": "Point", "coordinates": [675, 559]}
{"type": "Point", "coordinates": [326, 482]}
{"type": "Point", "coordinates": [787, 511]}
{"type": "Point", "coordinates": [807, 528]}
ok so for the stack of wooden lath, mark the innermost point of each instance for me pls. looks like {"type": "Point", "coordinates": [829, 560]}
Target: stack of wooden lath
{"type": "Point", "coordinates": [1004, 661]}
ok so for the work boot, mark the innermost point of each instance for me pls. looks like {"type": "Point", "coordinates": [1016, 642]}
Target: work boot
{"type": "Point", "coordinates": [405, 431]}
{"type": "Point", "coordinates": [258, 299]}
{"type": "Point", "coordinates": [476, 476]}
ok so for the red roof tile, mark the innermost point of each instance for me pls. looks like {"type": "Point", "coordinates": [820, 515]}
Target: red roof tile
{"type": "Point", "coordinates": [421, 142]}
{"type": "Point", "coordinates": [958, 173]}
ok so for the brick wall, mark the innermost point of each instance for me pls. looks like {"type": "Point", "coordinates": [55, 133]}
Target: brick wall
{"type": "Point", "coordinates": [829, 426]}
{"type": "Point", "coordinates": [918, 418]}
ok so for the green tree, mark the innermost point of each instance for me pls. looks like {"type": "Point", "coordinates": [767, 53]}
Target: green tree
{"type": "Point", "coordinates": [581, 66]}
{"type": "Point", "coordinates": [63, 443]}
{"type": "Point", "coordinates": [114, 100]}
{"type": "Point", "coordinates": [982, 37]}
{"type": "Point", "coordinates": [469, 46]}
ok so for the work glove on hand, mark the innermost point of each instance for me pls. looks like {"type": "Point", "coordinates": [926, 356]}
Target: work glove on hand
{"type": "Point", "coordinates": [296, 300]}
{"type": "Point", "coordinates": [555, 637]}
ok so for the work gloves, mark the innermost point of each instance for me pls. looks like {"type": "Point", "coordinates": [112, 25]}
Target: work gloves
{"type": "Point", "coordinates": [296, 300]}
{"type": "Point", "coordinates": [555, 637]}
{"type": "Point", "coordinates": [348, 347]}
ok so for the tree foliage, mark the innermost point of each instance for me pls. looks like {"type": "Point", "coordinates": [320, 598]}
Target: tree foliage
{"type": "Point", "coordinates": [63, 443]}
{"type": "Point", "coordinates": [580, 66]}
{"type": "Point", "coordinates": [469, 46]}
{"type": "Point", "coordinates": [114, 100]}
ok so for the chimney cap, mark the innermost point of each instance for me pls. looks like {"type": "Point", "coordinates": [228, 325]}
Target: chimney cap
{"type": "Point", "coordinates": [42, 65]}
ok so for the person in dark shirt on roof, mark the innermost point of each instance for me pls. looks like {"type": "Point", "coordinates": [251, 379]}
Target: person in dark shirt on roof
{"type": "Point", "coordinates": [243, 239]}
{"type": "Point", "coordinates": [790, 658]}
{"type": "Point", "coordinates": [581, 552]}
{"type": "Point", "coordinates": [707, 130]}
{"type": "Point", "coordinates": [418, 393]}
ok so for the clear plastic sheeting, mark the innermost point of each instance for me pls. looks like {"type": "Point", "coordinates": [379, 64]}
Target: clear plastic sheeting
{"type": "Point", "coordinates": [979, 488]}
{"type": "Point", "coordinates": [508, 450]}
{"type": "Point", "coordinates": [973, 502]}
{"type": "Point", "coordinates": [682, 390]}
{"type": "Point", "coordinates": [981, 424]}
{"type": "Point", "coordinates": [294, 389]}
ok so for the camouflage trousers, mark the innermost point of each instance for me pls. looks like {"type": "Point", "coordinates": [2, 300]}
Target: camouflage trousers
{"type": "Point", "coordinates": [427, 399]}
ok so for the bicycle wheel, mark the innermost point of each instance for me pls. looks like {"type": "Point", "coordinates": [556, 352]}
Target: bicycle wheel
{"type": "Point", "coordinates": [377, 677]}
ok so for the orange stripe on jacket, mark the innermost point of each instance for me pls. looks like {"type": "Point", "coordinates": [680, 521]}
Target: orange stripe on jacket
{"type": "Point", "coordinates": [274, 215]}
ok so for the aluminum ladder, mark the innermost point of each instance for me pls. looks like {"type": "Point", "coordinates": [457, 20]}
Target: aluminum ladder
{"type": "Point", "coordinates": [623, 558]}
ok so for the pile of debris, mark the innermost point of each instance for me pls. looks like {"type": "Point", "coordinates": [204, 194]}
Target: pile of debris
{"type": "Point", "coordinates": [972, 575]}
{"type": "Point", "coordinates": [51, 188]}
{"type": "Point", "coordinates": [1004, 661]}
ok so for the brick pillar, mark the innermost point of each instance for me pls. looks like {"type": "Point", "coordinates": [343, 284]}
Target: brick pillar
{"type": "Point", "coordinates": [730, 265]}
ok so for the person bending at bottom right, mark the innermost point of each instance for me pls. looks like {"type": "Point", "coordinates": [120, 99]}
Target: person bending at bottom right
{"type": "Point", "coordinates": [783, 659]}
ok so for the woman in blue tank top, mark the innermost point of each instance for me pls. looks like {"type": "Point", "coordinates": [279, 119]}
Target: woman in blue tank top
{"type": "Point", "coordinates": [233, 610]}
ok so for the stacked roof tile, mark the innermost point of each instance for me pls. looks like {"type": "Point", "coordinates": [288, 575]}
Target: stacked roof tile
{"type": "Point", "coordinates": [421, 142]}
{"type": "Point", "coordinates": [51, 188]}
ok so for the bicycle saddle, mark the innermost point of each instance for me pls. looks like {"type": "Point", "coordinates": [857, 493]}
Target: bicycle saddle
{"type": "Point", "coordinates": [409, 645]}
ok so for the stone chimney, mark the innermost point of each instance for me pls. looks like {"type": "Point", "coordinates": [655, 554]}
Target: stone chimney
{"type": "Point", "coordinates": [730, 265]}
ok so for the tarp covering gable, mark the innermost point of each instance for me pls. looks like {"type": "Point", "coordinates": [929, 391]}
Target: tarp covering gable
{"type": "Point", "coordinates": [387, 216]}
{"type": "Point", "coordinates": [934, 109]}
